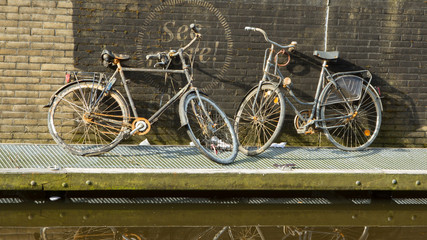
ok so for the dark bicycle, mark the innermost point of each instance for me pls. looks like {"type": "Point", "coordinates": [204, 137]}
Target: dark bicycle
{"type": "Point", "coordinates": [89, 117]}
{"type": "Point", "coordinates": [346, 106]}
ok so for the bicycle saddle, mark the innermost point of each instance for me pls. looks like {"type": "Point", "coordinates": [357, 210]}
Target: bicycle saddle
{"type": "Point", "coordinates": [108, 55]}
{"type": "Point", "coordinates": [326, 55]}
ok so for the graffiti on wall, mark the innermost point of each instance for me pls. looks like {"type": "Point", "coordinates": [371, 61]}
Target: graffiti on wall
{"type": "Point", "coordinates": [165, 28]}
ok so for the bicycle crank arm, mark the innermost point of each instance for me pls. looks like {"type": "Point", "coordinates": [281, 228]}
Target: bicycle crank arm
{"type": "Point", "coordinates": [140, 126]}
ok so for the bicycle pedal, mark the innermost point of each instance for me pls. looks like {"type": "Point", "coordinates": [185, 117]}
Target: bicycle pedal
{"type": "Point", "coordinates": [126, 134]}
{"type": "Point", "coordinates": [310, 131]}
{"type": "Point", "coordinates": [301, 130]}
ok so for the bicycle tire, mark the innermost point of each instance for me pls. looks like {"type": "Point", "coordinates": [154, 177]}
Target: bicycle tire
{"type": "Point", "coordinates": [82, 131]}
{"type": "Point", "coordinates": [257, 129]}
{"type": "Point", "coordinates": [216, 140]}
{"type": "Point", "coordinates": [358, 132]}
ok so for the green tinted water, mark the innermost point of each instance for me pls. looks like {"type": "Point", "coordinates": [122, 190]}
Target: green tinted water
{"type": "Point", "coordinates": [201, 218]}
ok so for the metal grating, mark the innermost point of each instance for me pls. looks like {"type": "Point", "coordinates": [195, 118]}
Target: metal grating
{"type": "Point", "coordinates": [361, 201]}
{"type": "Point", "coordinates": [410, 201]}
{"type": "Point", "coordinates": [304, 201]}
{"type": "Point", "coordinates": [190, 200]}
{"type": "Point", "coordinates": [10, 200]}
{"type": "Point", "coordinates": [14, 156]}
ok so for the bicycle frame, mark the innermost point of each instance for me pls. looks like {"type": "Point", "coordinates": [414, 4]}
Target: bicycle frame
{"type": "Point", "coordinates": [185, 70]}
{"type": "Point", "coordinates": [325, 76]}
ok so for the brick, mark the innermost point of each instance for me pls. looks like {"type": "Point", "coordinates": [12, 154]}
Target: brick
{"type": "Point", "coordinates": [13, 115]}
{"type": "Point", "coordinates": [16, 73]}
{"type": "Point", "coordinates": [26, 80]}
{"type": "Point", "coordinates": [64, 32]}
{"type": "Point", "coordinates": [39, 45]}
{"type": "Point", "coordinates": [19, 3]}
{"type": "Point", "coordinates": [21, 135]}
{"type": "Point", "coordinates": [16, 30]}
{"type": "Point", "coordinates": [44, 11]}
{"type": "Point", "coordinates": [13, 100]}
{"type": "Point", "coordinates": [40, 59]}
{"type": "Point", "coordinates": [57, 67]}
{"type": "Point", "coordinates": [9, 9]}
{"type": "Point", "coordinates": [28, 66]}
{"type": "Point", "coordinates": [26, 94]}
{"type": "Point", "coordinates": [65, 4]}
{"type": "Point", "coordinates": [12, 58]}
{"type": "Point", "coordinates": [54, 25]}
{"type": "Point", "coordinates": [43, 32]}
{"type": "Point", "coordinates": [64, 46]}
{"type": "Point", "coordinates": [45, 4]}
{"type": "Point", "coordinates": [63, 18]}
{"type": "Point", "coordinates": [7, 65]}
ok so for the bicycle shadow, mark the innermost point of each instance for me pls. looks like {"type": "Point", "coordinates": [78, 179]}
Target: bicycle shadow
{"type": "Point", "coordinates": [163, 151]}
{"type": "Point", "coordinates": [399, 108]}
{"type": "Point", "coordinates": [286, 154]}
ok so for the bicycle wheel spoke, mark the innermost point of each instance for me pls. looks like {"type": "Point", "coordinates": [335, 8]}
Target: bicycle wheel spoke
{"type": "Point", "coordinates": [210, 130]}
{"type": "Point", "coordinates": [71, 104]}
{"type": "Point", "coordinates": [359, 129]}
{"type": "Point", "coordinates": [259, 119]}
{"type": "Point", "coordinates": [82, 131]}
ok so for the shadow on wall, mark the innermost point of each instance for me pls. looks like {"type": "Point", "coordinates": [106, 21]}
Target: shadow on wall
{"type": "Point", "coordinates": [143, 27]}
{"type": "Point", "coordinates": [399, 107]}
{"type": "Point", "coordinates": [229, 59]}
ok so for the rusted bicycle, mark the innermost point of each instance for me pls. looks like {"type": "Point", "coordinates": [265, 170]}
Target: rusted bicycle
{"type": "Point", "coordinates": [89, 117]}
{"type": "Point", "coordinates": [346, 107]}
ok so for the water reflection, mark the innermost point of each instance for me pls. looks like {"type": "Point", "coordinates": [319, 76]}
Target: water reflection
{"type": "Point", "coordinates": [213, 219]}
{"type": "Point", "coordinates": [213, 233]}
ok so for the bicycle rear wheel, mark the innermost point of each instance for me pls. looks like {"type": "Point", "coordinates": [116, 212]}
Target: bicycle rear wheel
{"type": "Point", "coordinates": [87, 121]}
{"type": "Point", "coordinates": [209, 130]}
{"type": "Point", "coordinates": [356, 132]}
{"type": "Point", "coordinates": [259, 119]}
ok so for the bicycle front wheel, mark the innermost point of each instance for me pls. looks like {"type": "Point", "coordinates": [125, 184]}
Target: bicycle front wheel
{"type": "Point", "coordinates": [259, 119]}
{"type": "Point", "coordinates": [358, 131]}
{"type": "Point", "coordinates": [209, 129]}
{"type": "Point", "coordinates": [85, 120]}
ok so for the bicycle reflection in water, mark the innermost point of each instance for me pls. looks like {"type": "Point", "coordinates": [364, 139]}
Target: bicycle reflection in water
{"type": "Point", "coordinates": [204, 233]}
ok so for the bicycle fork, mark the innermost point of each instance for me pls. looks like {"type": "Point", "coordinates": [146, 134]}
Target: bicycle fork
{"type": "Point", "coordinates": [210, 125]}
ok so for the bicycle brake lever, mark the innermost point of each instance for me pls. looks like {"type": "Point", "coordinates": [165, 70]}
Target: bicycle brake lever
{"type": "Point", "coordinates": [159, 64]}
{"type": "Point", "coordinates": [194, 28]}
{"type": "Point", "coordinates": [152, 56]}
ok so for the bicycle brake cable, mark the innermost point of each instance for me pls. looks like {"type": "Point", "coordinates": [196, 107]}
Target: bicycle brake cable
{"type": "Point", "coordinates": [194, 57]}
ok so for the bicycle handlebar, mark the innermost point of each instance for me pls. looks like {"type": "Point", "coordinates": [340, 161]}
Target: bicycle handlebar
{"type": "Point", "coordinates": [153, 56]}
{"type": "Point", "coordinates": [173, 53]}
{"type": "Point", "coordinates": [194, 28]}
{"type": "Point", "coordinates": [290, 46]}
{"type": "Point", "coordinates": [197, 36]}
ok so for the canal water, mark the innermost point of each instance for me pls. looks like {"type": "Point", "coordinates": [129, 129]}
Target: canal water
{"type": "Point", "coordinates": [177, 217]}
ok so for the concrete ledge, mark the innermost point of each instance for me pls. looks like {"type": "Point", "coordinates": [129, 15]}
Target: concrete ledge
{"type": "Point", "coordinates": [49, 168]}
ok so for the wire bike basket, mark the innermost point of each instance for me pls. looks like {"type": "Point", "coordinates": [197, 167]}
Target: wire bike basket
{"type": "Point", "coordinates": [348, 88]}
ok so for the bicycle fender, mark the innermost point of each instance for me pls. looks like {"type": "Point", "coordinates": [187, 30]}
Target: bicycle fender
{"type": "Point", "coordinates": [182, 116]}
{"type": "Point", "coordinates": [52, 98]}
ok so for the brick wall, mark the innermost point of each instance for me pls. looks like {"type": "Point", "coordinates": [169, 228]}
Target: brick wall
{"type": "Point", "coordinates": [40, 39]}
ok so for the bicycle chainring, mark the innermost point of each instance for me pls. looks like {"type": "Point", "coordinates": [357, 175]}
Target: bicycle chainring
{"type": "Point", "coordinates": [299, 123]}
{"type": "Point", "coordinates": [142, 131]}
